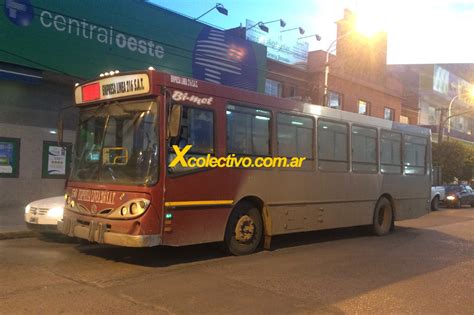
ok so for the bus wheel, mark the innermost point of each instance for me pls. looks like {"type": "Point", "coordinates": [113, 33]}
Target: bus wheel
{"type": "Point", "coordinates": [435, 204]}
{"type": "Point", "coordinates": [383, 217]}
{"type": "Point", "coordinates": [244, 230]}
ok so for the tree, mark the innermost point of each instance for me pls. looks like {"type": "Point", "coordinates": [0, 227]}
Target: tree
{"type": "Point", "coordinates": [452, 157]}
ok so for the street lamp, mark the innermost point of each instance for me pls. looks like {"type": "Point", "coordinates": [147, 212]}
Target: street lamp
{"type": "Point", "coordinates": [219, 7]}
{"type": "Point", "coordinates": [300, 29]}
{"type": "Point", "coordinates": [317, 36]}
{"type": "Point", "coordinates": [264, 28]}
{"type": "Point", "coordinates": [448, 119]}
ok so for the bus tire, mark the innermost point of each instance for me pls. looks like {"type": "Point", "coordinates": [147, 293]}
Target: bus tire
{"type": "Point", "coordinates": [244, 230]}
{"type": "Point", "coordinates": [435, 204]}
{"type": "Point", "coordinates": [383, 217]}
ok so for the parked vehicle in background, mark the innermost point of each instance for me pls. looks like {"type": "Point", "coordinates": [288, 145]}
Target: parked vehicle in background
{"type": "Point", "coordinates": [438, 195]}
{"type": "Point", "coordinates": [43, 215]}
{"type": "Point", "coordinates": [459, 195]}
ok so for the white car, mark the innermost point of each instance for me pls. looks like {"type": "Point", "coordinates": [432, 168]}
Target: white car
{"type": "Point", "coordinates": [43, 215]}
{"type": "Point", "coordinates": [437, 196]}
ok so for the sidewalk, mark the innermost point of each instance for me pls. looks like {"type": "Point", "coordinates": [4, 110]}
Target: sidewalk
{"type": "Point", "coordinates": [12, 224]}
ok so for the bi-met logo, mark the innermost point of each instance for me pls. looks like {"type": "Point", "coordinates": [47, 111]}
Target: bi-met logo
{"type": "Point", "coordinates": [19, 12]}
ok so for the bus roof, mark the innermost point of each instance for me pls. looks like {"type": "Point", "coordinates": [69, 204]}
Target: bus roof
{"type": "Point", "coordinates": [144, 83]}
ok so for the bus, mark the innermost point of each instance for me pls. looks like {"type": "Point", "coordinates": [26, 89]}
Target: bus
{"type": "Point", "coordinates": [124, 188]}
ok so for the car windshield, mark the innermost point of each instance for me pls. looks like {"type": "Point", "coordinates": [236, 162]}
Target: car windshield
{"type": "Point", "coordinates": [117, 143]}
{"type": "Point", "coordinates": [453, 189]}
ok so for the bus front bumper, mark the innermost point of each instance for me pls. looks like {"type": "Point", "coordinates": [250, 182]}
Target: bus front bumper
{"type": "Point", "coordinates": [97, 232]}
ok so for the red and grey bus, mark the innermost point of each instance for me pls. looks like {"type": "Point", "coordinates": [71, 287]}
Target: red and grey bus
{"type": "Point", "coordinates": [357, 170]}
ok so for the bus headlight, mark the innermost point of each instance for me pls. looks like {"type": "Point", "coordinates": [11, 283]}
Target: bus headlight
{"type": "Point", "coordinates": [130, 209]}
{"type": "Point", "coordinates": [27, 209]}
{"type": "Point", "coordinates": [451, 198]}
{"type": "Point", "coordinates": [56, 212]}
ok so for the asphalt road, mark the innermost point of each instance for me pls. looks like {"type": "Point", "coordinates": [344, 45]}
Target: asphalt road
{"type": "Point", "coordinates": [426, 266]}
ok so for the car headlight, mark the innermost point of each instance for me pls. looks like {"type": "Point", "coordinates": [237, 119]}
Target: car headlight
{"type": "Point", "coordinates": [451, 197]}
{"type": "Point", "coordinates": [56, 212]}
{"type": "Point", "coordinates": [27, 209]}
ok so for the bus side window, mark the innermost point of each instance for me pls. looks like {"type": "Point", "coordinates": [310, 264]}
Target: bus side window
{"type": "Point", "coordinates": [415, 155]}
{"type": "Point", "coordinates": [295, 135]}
{"type": "Point", "coordinates": [390, 152]}
{"type": "Point", "coordinates": [364, 149]}
{"type": "Point", "coordinates": [248, 131]}
{"type": "Point", "coordinates": [197, 130]}
{"type": "Point", "coordinates": [332, 146]}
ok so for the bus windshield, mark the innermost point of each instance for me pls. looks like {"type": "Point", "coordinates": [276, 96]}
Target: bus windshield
{"type": "Point", "coordinates": [117, 143]}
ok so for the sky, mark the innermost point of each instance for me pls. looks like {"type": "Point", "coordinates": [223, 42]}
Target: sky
{"type": "Point", "coordinates": [419, 31]}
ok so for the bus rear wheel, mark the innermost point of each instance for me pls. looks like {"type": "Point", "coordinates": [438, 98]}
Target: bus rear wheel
{"type": "Point", "coordinates": [383, 217]}
{"type": "Point", "coordinates": [244, 230]}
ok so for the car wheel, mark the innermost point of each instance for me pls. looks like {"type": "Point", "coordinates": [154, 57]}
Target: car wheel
{"type": "Point", "coordinates": [435, 203]}
{"type": "Point", "coordinates": [244, 230]}
{"type": "Point", "coordinates": [383, 217]}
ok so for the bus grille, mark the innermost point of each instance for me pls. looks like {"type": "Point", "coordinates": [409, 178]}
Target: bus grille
{"type": "Point", "coordinates": [38, 211]}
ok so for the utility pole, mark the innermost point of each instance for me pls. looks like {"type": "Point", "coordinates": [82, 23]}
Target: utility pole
{"type": "Point", "coordinates": [441, 125]}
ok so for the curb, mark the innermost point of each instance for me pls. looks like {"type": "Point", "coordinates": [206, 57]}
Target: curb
{"type": "Point", "coordinates": [19, 234]}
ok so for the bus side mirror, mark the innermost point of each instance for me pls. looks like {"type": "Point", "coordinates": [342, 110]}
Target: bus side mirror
{"type": "Point", "coordinates": [174, 121]}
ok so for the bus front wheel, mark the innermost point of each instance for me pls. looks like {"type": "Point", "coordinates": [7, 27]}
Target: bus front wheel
{"type": "Point", "coordinates": [244, 230]}
{"type": "Point", "coordinates": [383, 217]}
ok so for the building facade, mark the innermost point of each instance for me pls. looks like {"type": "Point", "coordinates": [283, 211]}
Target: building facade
{"type": "Point", "coordinates": [429, 89]}
{"type": "Point", "coordinates": [358, 79]}
{"type": "Point", "coordinates": [46, 47]}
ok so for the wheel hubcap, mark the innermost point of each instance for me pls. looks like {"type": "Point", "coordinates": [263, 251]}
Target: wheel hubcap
{"type": "Point", "coordinates": [244, 229]}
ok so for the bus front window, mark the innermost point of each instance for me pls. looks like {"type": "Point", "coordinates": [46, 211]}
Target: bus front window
{"type": "Point", "coordinates": [117, 143]}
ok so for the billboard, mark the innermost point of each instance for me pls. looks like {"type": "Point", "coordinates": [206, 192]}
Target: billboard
{"type": "Point", "coordinates": [83, 38]}
{"type": "Point", "coordinates": [283, 47]}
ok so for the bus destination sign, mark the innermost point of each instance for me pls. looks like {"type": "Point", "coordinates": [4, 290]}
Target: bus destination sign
{"type": "Point", "coordinates": [113, 87]}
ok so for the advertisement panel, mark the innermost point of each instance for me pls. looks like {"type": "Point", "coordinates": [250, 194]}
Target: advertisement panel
{"type": "Point", "coordinates": [281, 46]}
{"type": "Point", "coordinates": [9, 157]}
{"type": "Point", "coordinates": [56, 160]}
{"type": "Point", "coordinates": [83, 38]}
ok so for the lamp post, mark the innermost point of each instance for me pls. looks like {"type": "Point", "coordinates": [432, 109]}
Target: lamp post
{"type": "Point", "coordinates": [326, 66]}
{"type": "Point", "coordinates": [317, 36]}
{"type": "Point", "coordinates": [300, 30]}
{"type": "Point", "coordinates": [264, 28]}
{"type": "Point", "coordinates": [219, 7]}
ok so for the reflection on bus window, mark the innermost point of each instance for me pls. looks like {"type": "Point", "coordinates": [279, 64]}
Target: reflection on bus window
{"type": "Point", "coordinates": [248, 131]}
{"type": "Point", "coordinates": [332, 146]}
{"type": "Point", "coordinates": [415, 155]}
{"type": "Point", "coordinates": [364, 149]}
{"type": "Point", "coordinates": [197, 130]}
{"type": "Point", "coordinates": [295, 136]}
{"type": "Point", "coordinates": [390, 152]}
{"type": "Point", "coordinates": [117, 143]}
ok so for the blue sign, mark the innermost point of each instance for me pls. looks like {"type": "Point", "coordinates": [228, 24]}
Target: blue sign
{"type": "Point", "coordinates": [19, 12]}
{"type": "Point", "coordinates": [222, 58]}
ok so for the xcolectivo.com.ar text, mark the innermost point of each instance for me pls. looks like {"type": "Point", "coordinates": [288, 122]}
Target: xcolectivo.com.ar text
{"type": "Point", "coordinates": [232, 160]}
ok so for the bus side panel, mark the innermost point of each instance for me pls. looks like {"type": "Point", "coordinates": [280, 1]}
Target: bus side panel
{"type": "Point", "coordinates": [195, 225]}
{"type": "Point", "coordinates": [300, 218]}
{"type": "Point", "coordinates": [412, 196]}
